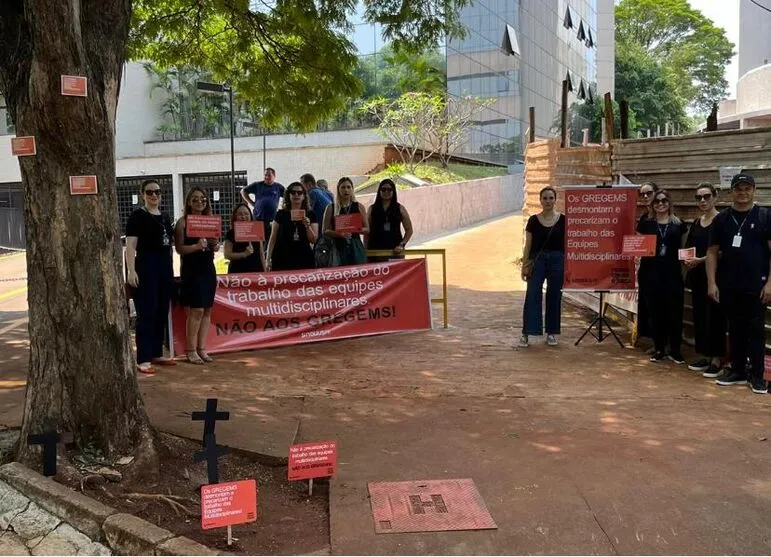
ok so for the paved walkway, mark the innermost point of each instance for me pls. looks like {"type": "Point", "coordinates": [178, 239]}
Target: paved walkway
{"type": "Point", "coordinates": [587, 449]}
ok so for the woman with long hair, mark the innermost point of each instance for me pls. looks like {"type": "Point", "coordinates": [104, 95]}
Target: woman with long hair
{"type": "Point", "coordinates": [349, 247]}
{"type": "Point", "coordinates": [293, 232]}
{"type": "Point", "coordinates": [243, 257]}
{"type": "Point", "coordinates": [386, 217]}
{"type": "Point", "coordinates": [149, 236]}
{"type": "Point", "coordinates": [661, 279]}
{"type": "Point", "coordinates": [709, 320]}
{"type": "Point", "coordinates": [199, 277]}
{"type": "Point", "coordinates": [543, 261]}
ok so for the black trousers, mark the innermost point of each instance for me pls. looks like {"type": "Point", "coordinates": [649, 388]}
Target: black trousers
{"type": "Point", "coordinates": [746, 330]}
{"type": "Point", "coordinates": [151, 300]}
{"type": "Point", "coordinates": [709, 321]}
{"type": "Point", "coordinates": [664, 298]}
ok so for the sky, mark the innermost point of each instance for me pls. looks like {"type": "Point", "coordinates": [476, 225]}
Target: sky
{"type": "Point", "coordinates": [725, 14]}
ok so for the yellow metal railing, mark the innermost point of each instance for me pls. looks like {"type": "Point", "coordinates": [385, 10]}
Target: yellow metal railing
{"type": "Point", "coordinates": [425, 253]}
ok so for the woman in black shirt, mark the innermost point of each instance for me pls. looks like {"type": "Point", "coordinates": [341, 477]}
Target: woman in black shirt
{"type": "Point", "coordinates": [148, 260]}
{"type": "Point", "coordinates": [644, 327]}
{"type": "Point", "coordinates": [386, 217]}
{"type": "Point", "coordinates": [543, 260]}
{"type": "Point", "coordinates": [244, 257]}
{"type": "Point", "coordinates": [661, 281]}
{"type": "Point", "coordinates": [709, 320]}
{"type": "Point", "coordinates": [293, 232]}
{"type": "Point", "coordinates": [199, 277]}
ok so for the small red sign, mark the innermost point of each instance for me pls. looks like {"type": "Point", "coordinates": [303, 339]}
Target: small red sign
{"type": "Point", "coordinates": [83, 185]}
{"type": "Point", "coordinates": [312, 460]}
{"type": "Point", "coordinates": [348, 223]}
{"type": "Point", "coordinates": [228, 504]}
{"type": "Point", "coordinates": [203, 226]}
{"type": "Point", "coordinates": [686, 254]}
{"type": "Point", "coordinates": [74, 86]}
{"type": "Point", "coordinates": [249, 231]}
{"type": "Point", "coordinates": [298, 214]}
{"type": "Point", "coordinates": [23, 146]}
{"type": "Point", "coordinates": [639, 245]}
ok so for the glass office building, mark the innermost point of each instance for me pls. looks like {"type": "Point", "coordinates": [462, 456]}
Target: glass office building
{"type": "Point", "coordinates": [518, 52]}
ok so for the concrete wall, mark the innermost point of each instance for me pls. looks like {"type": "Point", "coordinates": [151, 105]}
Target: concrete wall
{"type": "Point", "coordinates": [606, 47]}
{"type": "Point", "coordinates": [754, 36]}
{"type": "Point", "coordinates": [437, 210]}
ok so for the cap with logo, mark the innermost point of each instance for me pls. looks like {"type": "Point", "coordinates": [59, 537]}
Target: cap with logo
{"type": "Point", "coordinates": [742, 179]}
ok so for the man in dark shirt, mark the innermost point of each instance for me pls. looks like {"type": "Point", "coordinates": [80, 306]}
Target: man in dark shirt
{"type": "Point", "coordinates": [318, 199]}
{"type": "Point", "coordinates": [738, 261]}
{"type": "Point", "coordinates": [267, 194]}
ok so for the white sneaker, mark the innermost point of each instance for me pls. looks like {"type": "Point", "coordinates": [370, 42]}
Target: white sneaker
{"type": "Point", "coordinates": [523, 341]}
{"type": "Point", "coordinates": [551, 340]}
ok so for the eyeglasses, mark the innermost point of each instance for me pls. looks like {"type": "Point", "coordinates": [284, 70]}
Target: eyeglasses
{"type": "Point", "coordinates": [152, 192]}
{"type": "Point", "coordinates": [661, 201]}
{"type": "Point", "coordinates": [705, 197]}
{"type": "Point", "coordinates": [296, 192]}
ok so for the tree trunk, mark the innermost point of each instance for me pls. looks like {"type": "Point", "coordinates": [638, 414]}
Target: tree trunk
{"type": "Point", "coordinates": [81, 366]}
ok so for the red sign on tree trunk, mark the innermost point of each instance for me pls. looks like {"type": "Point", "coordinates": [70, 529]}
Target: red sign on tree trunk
{"type": "Point", "coordinates": [23, 146]}
{"type": "Point", "coordinates": [83, 185]}
{"type": "Point", "coordinates": [74, 86]}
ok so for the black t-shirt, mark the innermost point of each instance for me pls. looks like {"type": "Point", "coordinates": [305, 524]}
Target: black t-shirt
{"type": "Point", "coordinates": [251, 264]}
{"type": "Point", "coordinates": [386, 229]}
{"type": "Point", "coordinates": [154, 233]}
{"type": "Point", "coordinates": [668, 242]}
{"type": "Point", "coordinates": [542, 239]}
{"type": "Point", "coordinates": [743, 268]}
{"type": "Point", "coordinates": [698, 237]}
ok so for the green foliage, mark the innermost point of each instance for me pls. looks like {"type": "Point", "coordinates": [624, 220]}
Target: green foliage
{"type": "Point", "coordinates": [291, 59]}
{"type": "Point", "coordinates": [585, 115]}
{"type": "Point", "coordinates": [691, 51]}
{"type": "Point", "coordinates": [435, 173]}
{"type": "Point", "coordinates": [649, 88]}
{"type": "Point", "coordinates": [392, 73]}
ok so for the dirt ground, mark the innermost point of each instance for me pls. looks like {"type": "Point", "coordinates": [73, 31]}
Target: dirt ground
{"type": "Point", "coordinates": [289, 521]}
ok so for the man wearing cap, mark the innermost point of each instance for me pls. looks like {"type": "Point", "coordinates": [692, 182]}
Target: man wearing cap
{"type": "Point", "coordinates": [738, 267]}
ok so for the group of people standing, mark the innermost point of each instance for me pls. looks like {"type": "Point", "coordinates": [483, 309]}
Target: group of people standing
{"type": "Point", "coordinates": [727, 275]}
{"type": "Point", "coordinates": [296, 220]}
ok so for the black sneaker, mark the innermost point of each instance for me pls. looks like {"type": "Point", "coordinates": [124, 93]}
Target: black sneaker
{"type": "Point", "coordinates": [732, 378]}
{"type": "Point", "coordinates": [712, 372]}
{"type": "Point", "coordinates": [677, 358]}
{"type": "Point", "coordinates": [658, 357]}
{"type": "Point", "coordinates": [759, 386]}
{"type": "Point", "coordinates": [701, 365]}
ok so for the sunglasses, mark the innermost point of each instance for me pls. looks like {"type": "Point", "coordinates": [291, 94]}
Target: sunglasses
{"type": "Point", "coordinates": [661, 201]}
{"type": "Point", "coordinates": [296, 192]}
{"type": "Point", "coordinates": [705, 197]}
{"type": "Point", "coordinates": [152, 192]}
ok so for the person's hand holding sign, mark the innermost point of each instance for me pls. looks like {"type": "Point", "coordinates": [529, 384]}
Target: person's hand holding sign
{"type": "Point", "coordinates": [249, 249]}
{"type": "Point", "coordinates": [214, 243]}
{"type": "Point", "coordinates": [202, 243]}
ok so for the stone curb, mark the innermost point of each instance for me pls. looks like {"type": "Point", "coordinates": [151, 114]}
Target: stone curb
{"type": "Point", "coordinates": [126, 534]}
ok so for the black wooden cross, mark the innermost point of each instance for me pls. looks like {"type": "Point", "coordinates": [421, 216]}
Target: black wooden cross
{"type": "Point", "coordinates": [211, 453]}
{"type": "Point", "coordinates": [210, 417]}
{"type": "Point", "coordinates": [50, 440]}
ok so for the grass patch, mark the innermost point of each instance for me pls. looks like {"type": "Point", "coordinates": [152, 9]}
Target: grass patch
{"type": "Point", "coordinates": [433, 173]}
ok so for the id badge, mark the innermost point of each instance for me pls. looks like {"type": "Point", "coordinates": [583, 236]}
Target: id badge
{"type": "Point", "coordinates": [387, 227]}
{"type": "Point", "coordinates": [737, 241]}
{"type": "Point", "coordinates": [663, 251]}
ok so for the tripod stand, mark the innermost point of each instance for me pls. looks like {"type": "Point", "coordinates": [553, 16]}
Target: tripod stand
{"type": "Point", "coordinates": [599, 320]}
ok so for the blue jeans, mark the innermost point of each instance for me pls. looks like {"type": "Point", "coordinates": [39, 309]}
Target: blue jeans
{"type": "Point", "coordinates": [549, 267]}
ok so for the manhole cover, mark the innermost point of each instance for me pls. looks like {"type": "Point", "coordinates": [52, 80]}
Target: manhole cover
{"type": "Point", "coordinates": [428, 506]}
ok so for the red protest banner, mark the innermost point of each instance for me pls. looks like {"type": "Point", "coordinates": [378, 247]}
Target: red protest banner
{"type": "Point", "coordinates": [23, 146]}
{"type": "Point", "coordinates": [227, 504]}
{"type": "Point", "coordinates": [203, 226]}
{"type": "Point", "coordinates": [639, 245]}
{"type": "Point", "coordinates": [74, 86]}
{"type": "Point", "coordinates": [249, 231]}
{"type": "Point", "coordinates": [348, 223]}
{"type": "Point", "coordinates": [597, 219]}
{"type": "Point", "coordinates": [263, 310]}
{"type": "Point", "coordinates": [312, 460]}
{"type": "Point", "coordinates": [83, 185]}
